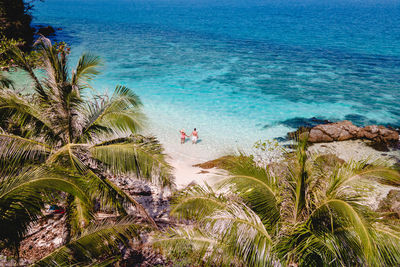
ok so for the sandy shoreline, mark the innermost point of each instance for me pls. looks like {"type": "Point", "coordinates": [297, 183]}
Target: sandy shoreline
{"type": "Point", "coordinates": [183, 157]}
{"type": "Point", "coordinates": [186, 173]}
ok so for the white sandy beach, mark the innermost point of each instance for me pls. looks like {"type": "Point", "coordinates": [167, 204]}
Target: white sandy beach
{"type": "Point", "coordinates": [183, 157]}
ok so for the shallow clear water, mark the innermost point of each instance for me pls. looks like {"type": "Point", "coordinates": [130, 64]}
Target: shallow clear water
{"type": "Point", "coordinates": [240, 72]}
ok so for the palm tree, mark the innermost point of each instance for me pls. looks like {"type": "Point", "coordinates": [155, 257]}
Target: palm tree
{"type": "Point", "coordinates": [62, 127]}
{"type": "Point", "coordinates": [300, 212]}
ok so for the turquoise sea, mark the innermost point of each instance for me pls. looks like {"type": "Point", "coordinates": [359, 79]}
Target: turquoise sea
{"type": "Point", "coordinates": [240, 71]}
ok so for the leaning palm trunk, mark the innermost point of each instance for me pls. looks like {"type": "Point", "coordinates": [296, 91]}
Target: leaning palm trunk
{"type": "Point", "coordinates": [310, 215]}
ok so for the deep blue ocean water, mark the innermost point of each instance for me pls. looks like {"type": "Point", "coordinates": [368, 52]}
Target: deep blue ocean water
{"type": "Point", "coordinates": [241, 71]}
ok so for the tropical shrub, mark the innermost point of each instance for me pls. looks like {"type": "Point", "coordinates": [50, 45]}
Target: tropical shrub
{"type": "Point", "coordinates": [15, 21]}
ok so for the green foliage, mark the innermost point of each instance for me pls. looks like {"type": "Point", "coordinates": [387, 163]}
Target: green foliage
{"type": "Point", "coordinates": [7, 61]}
{"type": "Point", "coordinates": [21, 198]}
{"type": "Point", "coordinates": [267, 145]}
{"type": "Point", "coordinates": [296, 212]}
{"type": "Point", "coordinates": [267, 151]}
{"type": "Point", "coordinates": [5, 46]}
{"type": "Point", "coordinates": [15, 21]}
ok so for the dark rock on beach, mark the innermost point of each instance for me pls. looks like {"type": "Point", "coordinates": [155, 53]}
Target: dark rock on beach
{"type": "Point", "coordinates": [379, 146]}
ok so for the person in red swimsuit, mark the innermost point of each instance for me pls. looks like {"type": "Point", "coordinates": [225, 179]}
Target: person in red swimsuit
{"type": "Point", "coordinates": [183, 136]}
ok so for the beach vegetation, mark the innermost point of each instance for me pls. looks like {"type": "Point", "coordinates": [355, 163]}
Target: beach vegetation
{"type": "Point", "coordinates": [15, 22]}
{"type": "Point", "coordinates": [305, 210]}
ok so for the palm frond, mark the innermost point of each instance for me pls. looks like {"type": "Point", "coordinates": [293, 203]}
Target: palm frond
{"type": "Point", "coordinates": [257, 186]}
{"type": "Point", "coordinates": [137, 154]}
{"type": "Point", "coordinates": [99, 189]}
{"type": "Point", "coordinates": [41, 178]}
{"type": "Point", "coordinates": [24, 112]}
{"type": "Point", "coordinates": [243, 230]}
{"type": "Point", "coordinates": [67, 156]}
{"type": "Point", "coordinates": [86, 69]}
{"type": "Point", "coordinates": [387, 244]}
{"type": "Point", "coordinates": [188, 247]}
{"type": "Point", "coordinates": [108, 116]}
{"type": "Point", "coordinates": [197, 202]}
{"type": "Point", "coordinates": [15, 148]}
{"type": "Point", "coordinates": [97, 241]}
{"type": "Point", "coordinates": [125, 93]}
{"type": "Point", "coordinates": [354, 171]}
{"type": "Point", "coordinates": [304, 247]}
{"type": "Point", "coordinates": [126, 199]}
{"type": "Point", "coordinates": [376, 170]}
{"type": "Point", "coordinates": [230, 236]}
{"type": "Point", "coordinates": [17, 211]}
{"type": "Point", "coordinates": [22, 62]}
{"type": "Point", "coordinates": [79, 215]}
{"type": "Point", "coordinates": [111, 196]}
{"type": "Point", "coordinates": [54, 64]}
{"type": "Point", "coordinates": [337, 214]}
{"type": "Point", "coordinates": [103, 191]}
{"type": "Point", "coordinates": [21, 198]}
{"type": "Point", "coordinates": [301, 179]}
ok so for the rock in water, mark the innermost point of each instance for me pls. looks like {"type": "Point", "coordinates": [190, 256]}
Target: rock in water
{"type": "Point", "coordinates": [46, 31]}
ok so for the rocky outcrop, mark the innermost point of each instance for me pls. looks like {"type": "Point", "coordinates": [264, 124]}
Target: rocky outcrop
{"type": "Point", "coordinates": [43, 237]}
{"type": "Point", "coordinates": [380, 134]}
{"type": "Point", "coordinates": [154, 199]}
{"type": "Point", "coordinates": [46, 31]}
{"type": "Point", "coordinates": [345, 130]}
